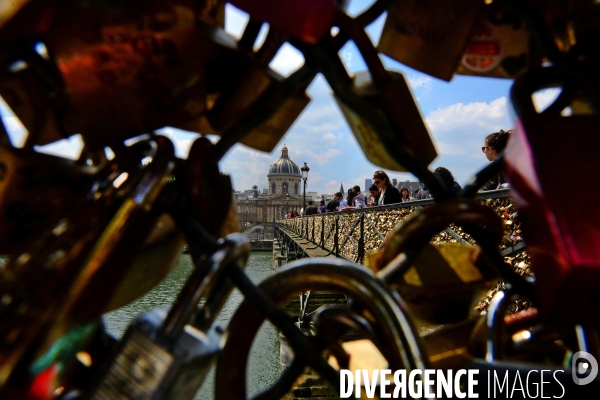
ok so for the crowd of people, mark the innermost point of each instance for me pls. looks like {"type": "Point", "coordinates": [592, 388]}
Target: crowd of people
{"type": "Point", "coordinates": [383, 192]}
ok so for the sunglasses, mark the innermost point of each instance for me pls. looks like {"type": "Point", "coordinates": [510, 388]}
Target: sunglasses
{"type": "Point", "coordinates": [485, 147]}
{"type": "Point", "coordinates": [377, 182]}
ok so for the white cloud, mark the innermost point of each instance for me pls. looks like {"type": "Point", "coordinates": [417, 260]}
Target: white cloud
{"type": "Point", "coordinates": [332, 186]}
{"type": "Point", "coordinates": [544, 98]}
{"type": "Point", "coordinates": [476, 114]}
{"type": "Point", "coordinates": [182, 140]}
{"type": "Point", "coordinates": [16, 131]}
{"type": "Point", "coordinates": [323, 157]}
{"type": "Point", "coordinates": [346, 58]}
{"type": "Point", "coordinates": [420, 82]}
{"type": "Point", "coordinates": [287, 60]}
{"type": "Point", "coordinates": [67, 148]}
{"type": "Point", "coordinates": [235, 20]}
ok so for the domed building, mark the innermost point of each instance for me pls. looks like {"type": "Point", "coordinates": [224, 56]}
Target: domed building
{"type": "Point", "coordinates": [284, 175]}
{"type": "Point", "coordinates": [284, 194]}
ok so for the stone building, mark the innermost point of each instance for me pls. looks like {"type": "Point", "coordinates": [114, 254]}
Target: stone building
{"type": "Point", "coordinates": [284, 194]}
{"type": "Point", "coordinates": [411, 186]}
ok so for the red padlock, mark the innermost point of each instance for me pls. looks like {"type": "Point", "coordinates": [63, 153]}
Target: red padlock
{"type": "Point", "coordinates": [563, 235]}
{"type": "Point", "coordinates": [308, 20]}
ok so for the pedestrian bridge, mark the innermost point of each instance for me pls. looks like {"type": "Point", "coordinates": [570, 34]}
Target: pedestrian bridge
{"type": "Point", "coordinates": [354, 233]}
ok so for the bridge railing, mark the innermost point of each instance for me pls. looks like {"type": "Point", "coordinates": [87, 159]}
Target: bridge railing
{"type": "Point", "coordinates": [352, 234]}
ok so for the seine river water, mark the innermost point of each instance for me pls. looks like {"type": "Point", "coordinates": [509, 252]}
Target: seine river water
{"type": "Point", "coordinates": [263, 367]}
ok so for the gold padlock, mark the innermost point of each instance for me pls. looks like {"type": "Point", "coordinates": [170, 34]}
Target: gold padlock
{"type": "Point", "coordinates": [444, 281]}
{"type": "Point", "coordinates": [232, 108]}
{"type": "Point", "coordinates": [429, 35]}
{"type": "Point", "coordinates": [396, 101]}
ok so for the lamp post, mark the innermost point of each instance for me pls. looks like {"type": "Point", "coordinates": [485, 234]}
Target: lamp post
{"type": "Point", "coordinates": [304, 170]}
{"type": "Point", "coordinates": [287, 203]}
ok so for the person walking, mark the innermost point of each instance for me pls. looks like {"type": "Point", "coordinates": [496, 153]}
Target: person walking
{"type": "Point", "coordinates": [323, 208]}
{"type": "Point", "coordinates": [388, 194]}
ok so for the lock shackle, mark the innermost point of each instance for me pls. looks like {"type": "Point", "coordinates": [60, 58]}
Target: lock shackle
{"type": "Point", "coordinates": [483, 176]}
{"type": "Point", "coordinates": [354, 30]}
{"type": "Point", "coordinates": [340, 82]}
{"type": "Point", "coordinates": [250, 34]}
{"type": "Point", "coordinates": [541, 78]}
{"type": "Point", "coordinates": [418, 229]}
{"type": "Point", "coordinates": [234, 248]}
{"type": "Point", "coordinates": [364, 19]}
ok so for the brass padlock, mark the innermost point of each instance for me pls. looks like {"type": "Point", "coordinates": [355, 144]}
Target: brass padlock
{"type": "Point", "coordinates": [444, 281]}
{"type": "Point", "coordinates": [233, 107]}
{"type": "Point", "coordinates": [429, 35]}
{"type": "Point", "coordinates": [396, 101]}
{"type": "Point", "coordinates": [109, 74]}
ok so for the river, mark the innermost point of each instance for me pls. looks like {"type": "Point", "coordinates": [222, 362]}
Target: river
{"type": "Point", "coordinates": [263, 368]}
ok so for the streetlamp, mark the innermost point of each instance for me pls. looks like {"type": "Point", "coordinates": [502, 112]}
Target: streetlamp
{"type": "Point", "coordinates": [304, 170]}
{"type": "Point", "coordinates": [287, 203]}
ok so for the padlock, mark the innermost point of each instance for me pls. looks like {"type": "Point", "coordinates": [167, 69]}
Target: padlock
{"type": "Point", "coordinates": [444, 281]}
{"type": "Point", "coordinates": [397, 103]}
{"type": "Point", "coordinates": [144, 367]}
{"type": "Point", "coordinates": [72, 269]}
{"type": "Point", "coordinates": [162, 356]}
{"type": "Point", "coordinates": [429, 36]}
{"type": "Point", "coordinates": [36, 191]}
{"type": "Point", "coordinates": [308, 20]}
{"type": "Point", "coordinates": [500, 46]}
{"type": "Point", "coordinates": [563, 239]}
{"type": "Point", "coordinates": [237, 81]}
{"type": "Point", "coordinates": [110, 76]}
{"type": "Point", "coordinates": [233, 107]}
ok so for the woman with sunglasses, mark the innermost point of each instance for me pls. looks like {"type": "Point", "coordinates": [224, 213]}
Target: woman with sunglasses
{"type": "Point", "coordinates": [494, 144]}
{"type": "Point", "coordinates": [388, 194]}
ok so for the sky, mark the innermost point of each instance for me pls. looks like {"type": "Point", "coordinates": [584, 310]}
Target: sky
{"type": "Point", "coordinates": [458, 114]}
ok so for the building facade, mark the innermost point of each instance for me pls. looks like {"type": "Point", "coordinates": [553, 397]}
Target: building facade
{"type": "Point", "coordinates": [283, 195]}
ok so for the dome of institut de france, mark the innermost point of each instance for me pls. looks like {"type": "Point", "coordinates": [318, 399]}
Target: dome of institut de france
{"type": "Point", "coordinates": [284, 175]}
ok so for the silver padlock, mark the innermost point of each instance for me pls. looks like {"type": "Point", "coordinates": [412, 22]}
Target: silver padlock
{"type": "Point", "coordinates": [163, 356]}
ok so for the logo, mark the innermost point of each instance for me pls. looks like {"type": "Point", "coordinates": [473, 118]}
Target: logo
{"type": "Point", "coordinates": [584, 368]}
{"type": "Point", "coordinates": [485, 51]}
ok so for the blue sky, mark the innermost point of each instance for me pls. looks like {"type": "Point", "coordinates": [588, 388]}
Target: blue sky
{"type": "Point", "coordinates": [459, 114]}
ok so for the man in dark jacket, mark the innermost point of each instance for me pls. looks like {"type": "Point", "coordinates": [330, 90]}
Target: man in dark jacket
{"type": "Point", "coordinates": [311, 209]}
